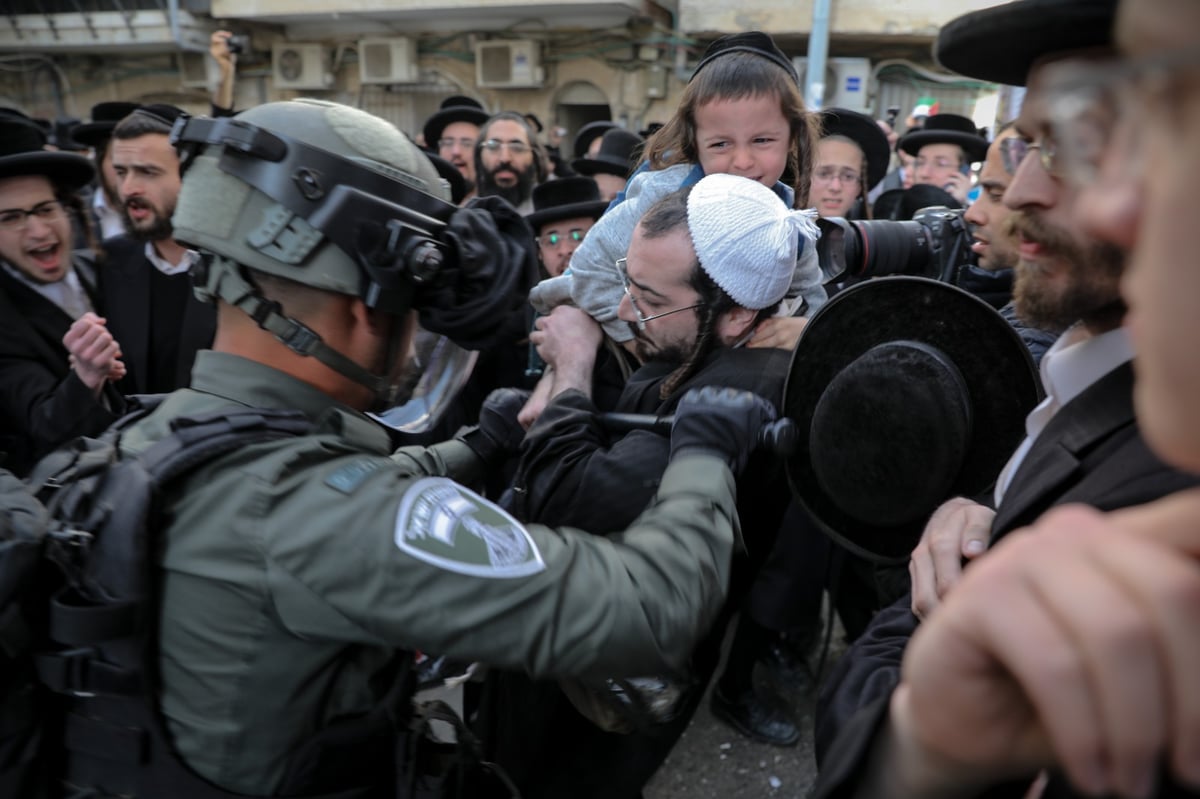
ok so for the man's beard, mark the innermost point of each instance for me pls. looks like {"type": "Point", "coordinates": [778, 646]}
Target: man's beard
{"type": "Point", "coordinates": [674, 354]}
{"type": "Point", "coordinates": [1092, 289]}
{"type": "Point", "coordinates": [157, 228]}
{"type": "Point", "coordinates": [516, 194]}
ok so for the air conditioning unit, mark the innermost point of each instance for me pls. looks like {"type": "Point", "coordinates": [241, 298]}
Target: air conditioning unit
{"type": "Point", "coordinates": [300, 66]}
{"type": "Point", "coordinates": [392, 60]}
{"type": "Point", "coordinates": [509, 64]}
{"type": "Point", "coordinates": [196, 70]}
{"type": "Point", "coordinates": [846, 82]}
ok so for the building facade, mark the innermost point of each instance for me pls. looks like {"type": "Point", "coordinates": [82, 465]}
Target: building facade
{"type": "Point", "coordinates": [569, 61]}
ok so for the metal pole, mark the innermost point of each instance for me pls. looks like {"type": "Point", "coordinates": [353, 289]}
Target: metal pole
{"type": "Point", "coordinates": [818, 52]}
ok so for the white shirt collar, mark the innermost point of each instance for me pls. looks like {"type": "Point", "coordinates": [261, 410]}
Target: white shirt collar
{"type": "Point", "coordinates": [68, 293]}
{"type": "Point", "coordinates": [190, 258]}
{"type": "Point", "coordinates": [112, 221]}
{"type": "Point", "coordinates": [1075, 361]}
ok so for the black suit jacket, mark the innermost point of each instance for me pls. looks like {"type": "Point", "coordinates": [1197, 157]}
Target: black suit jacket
{"type": "Point", "coordinates": [1092, 452]}
{"type": "Point", "coordinates": [128, 295]}
{"type": "Point", "coordinates": [42, 401]}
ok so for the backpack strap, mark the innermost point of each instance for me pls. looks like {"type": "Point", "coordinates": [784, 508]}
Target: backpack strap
{"type": "Point", "coordinates": [116, 741]}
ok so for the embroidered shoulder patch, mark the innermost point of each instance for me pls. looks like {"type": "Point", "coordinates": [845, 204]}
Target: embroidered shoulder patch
{"type": "Point", "coordinates": [453, 528]}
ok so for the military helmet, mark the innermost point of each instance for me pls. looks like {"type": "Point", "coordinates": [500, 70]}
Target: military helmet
{"type": "Point", "coordinates": [284, 187]}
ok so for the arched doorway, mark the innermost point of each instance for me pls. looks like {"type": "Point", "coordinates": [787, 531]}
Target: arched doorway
{"type": "Point", "coordinates": [576, 104]}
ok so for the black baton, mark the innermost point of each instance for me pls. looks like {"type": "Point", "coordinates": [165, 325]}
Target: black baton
{"type": "Point", "coordinates": [779, 437]}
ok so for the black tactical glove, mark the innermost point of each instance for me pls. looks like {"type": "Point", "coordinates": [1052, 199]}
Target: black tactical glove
{"type": "Point", "coordinates": [498, 433]}
{"type": "Point", "coordinates": [720, 421]}
{"type": "Point", "coordinates": [483, 286]}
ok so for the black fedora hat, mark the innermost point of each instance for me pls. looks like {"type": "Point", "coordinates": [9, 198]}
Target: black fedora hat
{"type": "Point", "coordinates": [105, 117]}
{"type": "Point", "coordinates": [21, 153]}
{"type": "Point", "coordinates": [863, 131]}
{"type": "Point", "coordinates": [905, 392]}
{"type": "Point", "coordinates": [62, 135]}
{"type": "Point", "coordinates": [1001, 43]}
{"type": "Point", "coordinates": [565, 198]}
{"type": "Point", "coordinates": [458, 108]}
{"type": "Point", "coordinates": [588, 134]}
{"type": "Point", "coordinates": [619, 150]}
{"type": "Point", "coordinates": [902, 204]}
{"type": "Point", "coordinates": [947, 129]}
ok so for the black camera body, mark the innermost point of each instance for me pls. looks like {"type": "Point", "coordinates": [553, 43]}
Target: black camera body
{"type": "Point", "coordinates": [935, 243]}
{"type": "Point", "coordinates": [237, 44]}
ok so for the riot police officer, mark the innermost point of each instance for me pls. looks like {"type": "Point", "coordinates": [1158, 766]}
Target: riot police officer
{"type": "Point", "coordinates": [295, 570]}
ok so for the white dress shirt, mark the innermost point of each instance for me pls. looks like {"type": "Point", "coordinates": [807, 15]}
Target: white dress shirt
{"type": "Point", "coordinates": [1075, 361]}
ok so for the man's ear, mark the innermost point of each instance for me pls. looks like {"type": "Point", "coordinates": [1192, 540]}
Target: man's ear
{"type": "Point", "coordinates": [735, 323]}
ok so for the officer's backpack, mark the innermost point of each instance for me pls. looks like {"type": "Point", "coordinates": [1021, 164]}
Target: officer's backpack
{"type": "Point", "coordinates": [78, 709]}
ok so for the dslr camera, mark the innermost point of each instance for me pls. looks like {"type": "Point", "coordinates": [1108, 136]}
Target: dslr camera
{"type": "Point", "coordinates": [935, 243]}
{"type": "Point", "coordinates": [237, 44]}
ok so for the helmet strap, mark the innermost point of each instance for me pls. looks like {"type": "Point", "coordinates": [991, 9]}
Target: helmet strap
{"type": "Point", "coordinates": [224, 279]}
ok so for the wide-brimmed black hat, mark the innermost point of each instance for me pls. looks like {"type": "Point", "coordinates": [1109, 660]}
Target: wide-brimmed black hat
{"type": "Point", "coordinates": [588, 134]}
{"type": "Point", "coordinates": [458, 108]}
{"type": "Point", "coordinates": [62, 135]}
{"type": "Point", "coordinates": [1001, 43]}
{"type": "Point", "coordinates": [905, 392]}
{"type": "Point", "coordinates": [565, 198]}
{"type": "Point", "coordinates": [619, 151]}
{"type": "Point", "coordinates": [864, 132]}
{"type": "Point", "coordinates": [902, 204]}
{"type": "Point", "coordinates": [105, 117]}
{"type": "Point", "coordinates": [21, 153]}
{"type": "Point", "coordinates": [947, 129]}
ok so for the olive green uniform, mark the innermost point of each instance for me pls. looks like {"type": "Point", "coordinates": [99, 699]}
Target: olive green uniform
{"type": "Point", "coordinates": [293, 570]}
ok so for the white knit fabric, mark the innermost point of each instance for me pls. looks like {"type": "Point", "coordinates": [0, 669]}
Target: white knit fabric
{"type": "Point", "coordinates": [746, 240]}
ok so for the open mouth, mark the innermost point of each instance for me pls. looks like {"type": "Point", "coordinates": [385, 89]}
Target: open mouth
{"type": "Point", "coordinates": [46, 257]}
{"type": "Point", "coordinates": [138, 209]}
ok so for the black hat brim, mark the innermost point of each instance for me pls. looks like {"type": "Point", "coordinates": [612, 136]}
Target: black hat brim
{"type": "Point", "coordinates": [588, 134]}
{"type": "Point", "coordinates": [67, 171]}
{"type": "Point", "coordinates": [997, 371]}
{"type": "Point", "coordinates": [602, 166]}
{"type": "Point", "coordinates": [865, 132]}
{"type": "Point", "coordinates": [973, 145]}
{"type": "Point", "coordinates": [93, 134]}
{"type": "Point", "coordinates": [440, 120]}
{"type": "Point", "coordinates": [1001, 43]}
{"type": "Point", "coordinates": [594, 209]}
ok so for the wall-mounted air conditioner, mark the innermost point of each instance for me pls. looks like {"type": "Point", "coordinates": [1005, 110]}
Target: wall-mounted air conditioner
{"type": "Point", "coordinates": [508, 64]}
{"type": "Point", "coordinates": [300, 66]}
{"type": "Point", "coordinates": [391, 60]}
{"type": "Point", "coordinates": [846, 82]}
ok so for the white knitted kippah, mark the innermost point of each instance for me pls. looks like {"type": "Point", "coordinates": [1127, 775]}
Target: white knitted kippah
{"type": "Point", "coordinates": [746, 239]}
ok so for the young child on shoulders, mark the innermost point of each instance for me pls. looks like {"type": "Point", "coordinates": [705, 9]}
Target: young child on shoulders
{"type": "Point", "coordinates": [741, 114]}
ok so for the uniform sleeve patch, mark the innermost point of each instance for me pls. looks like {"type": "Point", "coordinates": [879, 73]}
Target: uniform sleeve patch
{"type": "Point", "coordinates": [455, 529]}
{"type": "Point", "coordinates": [348, 478]}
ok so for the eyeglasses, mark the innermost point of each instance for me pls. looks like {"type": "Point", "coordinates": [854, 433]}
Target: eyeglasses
{"type": "Point", "coordinates": [1100, 111]}
{"type": "Point", "coordinates": [554, 239]}
{"type": "Point", "coordinates": [17, 219]}
{"type": "Point", "coordinates": [466, 143]}
{"type": "Point", "coordinates": [515, 146]}
{"type": "Point", "coordinates": [828, 174]}
{"type": "Point", "coordinates": [1014, 149]}
{"type": "Point", "coordinates": [642, 319]}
